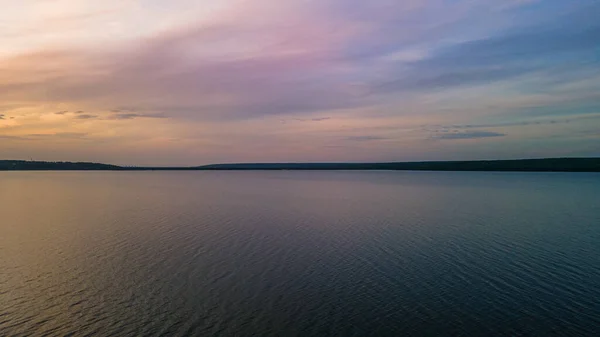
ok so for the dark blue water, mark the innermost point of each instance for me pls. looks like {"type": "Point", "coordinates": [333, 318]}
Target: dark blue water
{"type": "Point", "coordinates": [299, 254]}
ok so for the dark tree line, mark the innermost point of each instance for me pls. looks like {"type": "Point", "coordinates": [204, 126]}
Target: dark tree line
{"type": "Point", "coordinates": [522, 165]}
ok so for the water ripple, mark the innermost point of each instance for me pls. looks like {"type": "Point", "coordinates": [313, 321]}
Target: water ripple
{"type": "Point", "coordinates": [299, 254]}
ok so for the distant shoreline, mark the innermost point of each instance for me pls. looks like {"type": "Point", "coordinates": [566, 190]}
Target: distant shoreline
{"type": "Point", "coordinates": [516, 165]}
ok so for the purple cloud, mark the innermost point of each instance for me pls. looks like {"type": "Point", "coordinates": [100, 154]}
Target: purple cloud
{"type": "Point", "coordinates": [86, 116]}
{"type": "Point", "coordinates": [469, 135]}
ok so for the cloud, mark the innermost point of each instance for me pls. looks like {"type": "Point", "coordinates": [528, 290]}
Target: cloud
{"type": "Point", "coordinates": [469, 135]}
{"type": "Point", "coordinates": [86, 117]}
{"type": "Point", "coordinates": [365, 138]}
{"type": "Point", "coordinates": [61, 112]}
{"type": "Point", "coordinates": [516, 123]}
{"type": "Point", "coordinates": [70, 134]}
{"type": "Point", "coordinates": [313, 63]}
{"type": "Point", "coordinates": [541, 47]}
{"type": "Point", "coordinates": [452, 78]}
{"type": "Point", "coordinates": [136, 115]}
{"type": "Point", "coordinates": [64, 135]}
{"type": "Point", "coordinates": [47, 136]}
{"type": "Point", "coordinates": [528, 122]}
{"type": "Point", "coordinates": [12, 137]}
{"type": "Point", "coordinates": [447, 128]}
{"type": "Point", "coordinates": [126, 116]}
{"type": "Point", "coordinates": [124, 109]}
{"type": "Point", "coordinates": [318, 119]}
{"type": "Point", "coordinates": [161, 79]}
{"type": "Point", "coordinates": [2, 116]}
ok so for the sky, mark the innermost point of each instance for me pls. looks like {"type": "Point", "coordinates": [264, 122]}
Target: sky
{"type": "Point", "coordinates": [182, 82]}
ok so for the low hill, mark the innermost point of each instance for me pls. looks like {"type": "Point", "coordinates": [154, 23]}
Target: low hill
{"type": "Point", "coordinates": [531, 165]}
{"type": "Point", "coordinates": [23, 165]}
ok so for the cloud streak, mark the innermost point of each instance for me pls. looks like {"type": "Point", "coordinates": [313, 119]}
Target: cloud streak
{"type": "Point", "coordinates": [365, 138]}
{"type": "Point", "coordinates": [86, 116]}
{"type": "Point", "coordinates": [121, 116]}
{"type": "Point", "coordinates": [475, 134]}
{"type": "Point", "coordinates": [569, 42]}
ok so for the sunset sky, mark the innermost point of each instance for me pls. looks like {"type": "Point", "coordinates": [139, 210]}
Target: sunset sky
{"type": "Point", "coordinates": [182, 82]}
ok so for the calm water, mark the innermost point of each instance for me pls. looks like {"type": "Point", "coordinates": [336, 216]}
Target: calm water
{"type": "Point", "coordinates": [299, 254]}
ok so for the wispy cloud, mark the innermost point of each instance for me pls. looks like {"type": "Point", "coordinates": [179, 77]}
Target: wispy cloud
{"type": "Point", "coordinates": [86, 116]}
{"type": "Point", "coordinates": [47, 136]}
{"type": "Point", "coordinates": [136, 115]}
{"type": "Point", "coordinates": [364, 138]}
{"type": "Point", "coordinates": [468, 135]}
{"type": "Point", "coordinates": [317, 119]}
{"type": "Point", "coordinates": [544, 47]}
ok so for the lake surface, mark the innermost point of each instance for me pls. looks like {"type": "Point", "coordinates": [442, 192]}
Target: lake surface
{"type": "Point", "coordinates": [296, 253]}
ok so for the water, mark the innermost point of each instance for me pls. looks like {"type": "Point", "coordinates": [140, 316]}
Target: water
{"type": "Point", "coordinates": [299, 254]}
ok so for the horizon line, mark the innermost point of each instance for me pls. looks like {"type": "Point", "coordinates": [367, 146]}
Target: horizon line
{"type": "Point", "coordinates": [297, 162]}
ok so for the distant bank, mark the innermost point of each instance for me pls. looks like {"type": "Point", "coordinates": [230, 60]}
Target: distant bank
{"type": "Point", "coordinates": [519, 165]}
